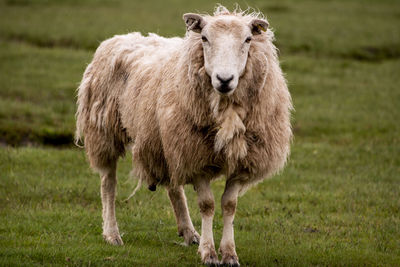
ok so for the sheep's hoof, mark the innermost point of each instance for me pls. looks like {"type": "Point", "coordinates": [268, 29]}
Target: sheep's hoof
{"type": "Point", "coordinates": [211, 260]}
{"type": "Point", "coordinates": [209, 257]}
{"type": "Point", "coordinates": [190, 236]}
{"type": "Point", "coordinates": [229, 260]}
{"type": "Point", "coordinates": [195, 238]}
{"type": "Point", "coordinates": [114, 239]}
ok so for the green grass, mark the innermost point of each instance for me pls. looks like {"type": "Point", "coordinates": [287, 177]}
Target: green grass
{"type": "Point", "coordinates": [330, 207]}
{"type": "Point", "coordinates": [336, 203]}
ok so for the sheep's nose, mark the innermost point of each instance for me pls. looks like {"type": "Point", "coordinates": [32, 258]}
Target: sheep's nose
{"type": "Point", "coordinates": [224, 81]}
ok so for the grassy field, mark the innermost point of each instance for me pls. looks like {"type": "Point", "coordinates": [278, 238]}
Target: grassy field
{"type": "Point", "coordinates": [336, 203]}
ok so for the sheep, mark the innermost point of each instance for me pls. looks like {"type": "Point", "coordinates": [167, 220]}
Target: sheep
{"type": "Point", "coordinates": [213, 103]}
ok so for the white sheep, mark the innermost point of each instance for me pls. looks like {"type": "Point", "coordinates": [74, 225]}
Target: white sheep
{"type": "Point", "coordinates": [212, 103]}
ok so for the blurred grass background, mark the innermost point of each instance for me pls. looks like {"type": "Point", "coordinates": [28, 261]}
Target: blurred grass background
{"type": "Point", "coordinates": [337, 202]}
{"type": "Point", "coordinates": [338, 50]}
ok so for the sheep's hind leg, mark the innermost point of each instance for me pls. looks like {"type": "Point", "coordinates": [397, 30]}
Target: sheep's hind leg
{"type": "Point", "coordinates": [206, 205]}
{"type": "Point", "coordinates": [228, 204]}
{"type": "Point", "coordinates": [185, 225]}
{"type": "Point", "coordinates": [108, 190]}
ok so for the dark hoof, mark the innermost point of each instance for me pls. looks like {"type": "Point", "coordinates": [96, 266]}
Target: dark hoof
{"type": "Point", "coordinates": [210, 259]}
{"type": "Point", "coordinates": [190, 236]}
{"type": "Point", "coordinates": [230, 260]}
{"type": "Point", "coordinates": [115, 240]}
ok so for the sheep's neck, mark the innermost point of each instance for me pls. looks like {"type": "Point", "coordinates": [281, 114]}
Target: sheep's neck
{"type": "Point", "coordinates": [231, 129]}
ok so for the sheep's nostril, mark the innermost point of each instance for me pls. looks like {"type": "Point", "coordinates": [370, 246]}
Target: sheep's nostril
{"type": "Point", "coordinates": [224, 81]}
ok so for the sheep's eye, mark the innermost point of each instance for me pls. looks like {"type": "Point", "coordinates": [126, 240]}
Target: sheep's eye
{"type": "Point", "coordinates": [204, 39]}
{"type": "Point", "coordinates": [248, 39]}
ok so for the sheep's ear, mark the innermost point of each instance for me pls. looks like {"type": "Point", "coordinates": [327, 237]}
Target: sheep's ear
{"type": "Point", "coordinates": [194, 22]}
{"type": "Point", "coordinates": [258, 26]}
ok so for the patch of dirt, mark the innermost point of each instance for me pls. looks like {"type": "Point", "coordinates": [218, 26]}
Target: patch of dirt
{"type": "Point", "coordinates": [53, 43]}
{"type": "Point", "coordinates": [375, 53]}
{"type": "Point", "coordinates": [17, 139]}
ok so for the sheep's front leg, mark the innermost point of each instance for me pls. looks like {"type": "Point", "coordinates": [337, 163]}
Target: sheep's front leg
{"type": "Point", "coordinates": [108, 188]}
{"type": "Point", "coordinates": [185, 225]}
{"type": "Point", "coordinates": [206, 205]}
{"type": "Point", "coordinates": [228, 204]}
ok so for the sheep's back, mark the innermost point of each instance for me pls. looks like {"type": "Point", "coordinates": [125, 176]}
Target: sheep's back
{"type": "Point", "coordinates": [147, 59]}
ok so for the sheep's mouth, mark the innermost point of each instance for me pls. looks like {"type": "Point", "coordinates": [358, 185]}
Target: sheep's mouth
{"type": "Point", "coordinates": [224, 90]}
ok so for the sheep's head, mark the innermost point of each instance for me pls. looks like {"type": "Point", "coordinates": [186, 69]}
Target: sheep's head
{"type": "Point", "coordinates": [226, 41]}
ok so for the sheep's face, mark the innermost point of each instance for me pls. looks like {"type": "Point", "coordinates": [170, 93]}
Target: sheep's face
{"type": "Point", "coordinates": [226, 42]}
